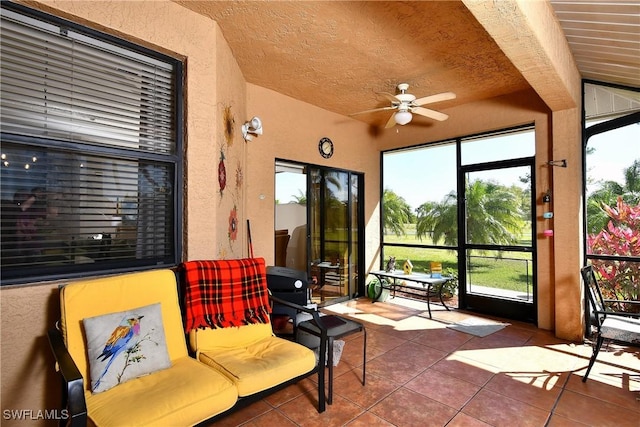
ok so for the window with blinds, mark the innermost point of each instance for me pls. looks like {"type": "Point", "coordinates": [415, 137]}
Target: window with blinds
{"type": "Point", "coordinates": [91, 152]}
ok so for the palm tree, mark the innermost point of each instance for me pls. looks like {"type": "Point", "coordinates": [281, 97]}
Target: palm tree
{"type": "Point", "coordinates": [439, 220]}
{"type": "Point", "coordinates": [496, 215]}
{"type": "Point", "coordinates": [396, 212]}
{"type": "Point", "coordinates": [496, 219]}
{"type": "Point", "coordinates": [301, 198]}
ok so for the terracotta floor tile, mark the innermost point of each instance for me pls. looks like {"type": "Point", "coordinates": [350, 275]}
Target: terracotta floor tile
{"type": "Point", "coordinates": [539, 389]}
{"type": "Point", "coordinates": [595, 412]}
{"type": "Point", "coordinates": [369, 420]}
{"type": "Point", "coordinates": [464, 420]}
{"type": "Point", "coordinates": [245, 414]}
{"type": "Point", "coordinates": [614, 365]}
{"type": "Point", "coordinates": [443, 339]}
{"type": "Point", "coordinates": [375, 389]}
{"type": "Point", "coordinates": [443, 388]}
{"type": "Point", "coordinates": [465, 369]}
{"type": "Point", "coordinates": [404, 362]}
{"type": "Point", "coordinates": [270, 419]}
{"type": "Point", "coordinates": [618, 394]}
{"type": "Point", "coordinates": [515, 333]}
{"type": "Point", "coordinates": [339, 413]}
{"type": "Point", "coordinates": [307, 385]}
{"type": "Point", "coordinates": [503, 411]}
{"type": "Point", "coordinates": [383, 340]}
{"type": "Point", "coordinates": [556, 358]}
{"type": "Point", "coordinates": [419, 373]}
{"type": "Point", "coordinates": [352, 351]}
{"type": "Point", "coordinates": [559, 421]}
{"type": "Point", "coordinates": [500, 352]}
{"type": "Point", "coordinates": [408, 408]}
{"type": "Point", "coordinates": [413, 326]}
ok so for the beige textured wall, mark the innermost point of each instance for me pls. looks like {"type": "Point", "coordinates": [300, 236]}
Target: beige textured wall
{"type": "Point", "coordinates": [291, 131]}
{"type": "Point", "coordinates": [568, 237]}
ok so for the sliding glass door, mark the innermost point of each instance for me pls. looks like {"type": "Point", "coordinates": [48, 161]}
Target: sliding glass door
{"type": "Point", "coordinates": [325, 241]}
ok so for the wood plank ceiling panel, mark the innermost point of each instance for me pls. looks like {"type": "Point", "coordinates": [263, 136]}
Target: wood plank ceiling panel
{"type": "Point", "coordinates": [604, 37]}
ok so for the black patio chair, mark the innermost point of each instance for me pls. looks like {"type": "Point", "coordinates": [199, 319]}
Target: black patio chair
{"type": "Point", "coordinates": [604, 320]}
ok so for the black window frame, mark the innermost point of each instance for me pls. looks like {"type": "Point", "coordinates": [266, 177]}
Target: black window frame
{"type": "Point", "coordinates": [613, 122]}
{"type": "Point", "coordinates": [171, 162]}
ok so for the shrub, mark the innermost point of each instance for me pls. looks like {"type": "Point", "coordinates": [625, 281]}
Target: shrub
{"type": "Point", "coordinates": [619, 279]}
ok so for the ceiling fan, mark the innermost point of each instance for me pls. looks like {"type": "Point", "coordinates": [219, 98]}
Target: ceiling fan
{"type": "Point", "coordinates": [407, 104]}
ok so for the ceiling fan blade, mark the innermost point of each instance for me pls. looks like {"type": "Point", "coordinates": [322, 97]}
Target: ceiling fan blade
{"type": "Point", "coordinates": [445, 96]}
{"type": "Point", "coordinates": [373, 111]}
{"type": "Point", "coordinates": [392, 122]}
{"type": "Point", "coordinates": [389, 96]}
{"type": "Point", "coordinates": [432, 114]}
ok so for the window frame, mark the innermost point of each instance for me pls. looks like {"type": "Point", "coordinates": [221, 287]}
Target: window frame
{"type": "Point", "coordinates": [174, 162]}
{"type": "Point", "coordinates": [587, 132]}
{"type": "Point", "coordinates": [612, 123]}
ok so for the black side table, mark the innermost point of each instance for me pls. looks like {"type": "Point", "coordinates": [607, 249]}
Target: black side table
{"type": "Point", "coordinates": [334, 327]}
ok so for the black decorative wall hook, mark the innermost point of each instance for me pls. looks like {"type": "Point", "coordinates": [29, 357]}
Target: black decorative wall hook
{"type": "Point", "coordinates": [562, 163]}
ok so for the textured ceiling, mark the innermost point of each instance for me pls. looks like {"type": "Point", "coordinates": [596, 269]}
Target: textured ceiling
{"type": "Point", "coordinates": [340, 55]}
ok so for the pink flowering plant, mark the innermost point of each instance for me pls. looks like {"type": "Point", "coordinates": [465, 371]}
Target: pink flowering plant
{"type": "Point", "coordinates": [619, 279]}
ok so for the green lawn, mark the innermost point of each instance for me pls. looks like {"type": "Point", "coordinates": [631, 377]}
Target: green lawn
{"type": "Point", "coordinates": [492, 269]}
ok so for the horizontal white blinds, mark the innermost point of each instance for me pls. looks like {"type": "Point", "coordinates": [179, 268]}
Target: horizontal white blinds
{"type": "Point", "coordinates": [90, 152]}
{"type": "Point", "coordinates": [57, 84]}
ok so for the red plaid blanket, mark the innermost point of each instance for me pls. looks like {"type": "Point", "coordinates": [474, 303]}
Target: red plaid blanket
{"type": "Point", "coordinates": [225, 293]}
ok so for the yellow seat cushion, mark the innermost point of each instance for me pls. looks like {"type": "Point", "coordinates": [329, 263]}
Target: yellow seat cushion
{"type": "Point", "coordinates": [185, 394]}
{"type": "Point", "coordinates": [251, 356]}
{"type": "Point", "coordinates": [261, 365]}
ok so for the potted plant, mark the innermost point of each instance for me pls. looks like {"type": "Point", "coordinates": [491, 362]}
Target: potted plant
{"type": "Point", "coordinates": [450, 288]}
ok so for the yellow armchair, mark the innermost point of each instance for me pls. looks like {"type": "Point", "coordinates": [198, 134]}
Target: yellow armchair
{"type": "Point", "coordinates": [185, 393]}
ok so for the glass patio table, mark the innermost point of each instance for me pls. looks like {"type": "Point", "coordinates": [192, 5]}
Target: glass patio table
{"type": "Point", "coordinates": [418, 282]}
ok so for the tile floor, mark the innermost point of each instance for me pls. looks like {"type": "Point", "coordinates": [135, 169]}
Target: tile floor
{"type": "Point", "coordinates": [421, 373]}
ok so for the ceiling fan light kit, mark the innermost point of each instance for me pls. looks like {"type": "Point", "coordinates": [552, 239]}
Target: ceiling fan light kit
{"type": "Point", "coordinates": [403, 117]}
{"type": "Point", "coordinates": [407, 105]}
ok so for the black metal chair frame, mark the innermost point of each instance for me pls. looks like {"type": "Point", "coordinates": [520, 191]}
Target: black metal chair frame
{"type": "Point", "coordinates": [597, 309]}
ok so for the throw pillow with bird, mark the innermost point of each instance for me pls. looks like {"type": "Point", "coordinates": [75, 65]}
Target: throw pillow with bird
{"type": "Point", "coordinates": [125, 345]}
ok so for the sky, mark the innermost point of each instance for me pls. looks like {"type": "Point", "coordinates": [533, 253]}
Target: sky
{"type": "Point", "coordinates": [434, 177]}
{"type": "Point", "coordinates": [427, 175]}
{"type": "Point", "coordinates": [432, 173]}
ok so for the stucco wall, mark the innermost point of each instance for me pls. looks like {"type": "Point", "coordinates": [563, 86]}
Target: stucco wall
{"type": "Point", "coordinates": [291, 131]}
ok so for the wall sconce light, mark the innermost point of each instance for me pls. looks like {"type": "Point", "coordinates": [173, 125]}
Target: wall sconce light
{"type": "Point", "coordinates": [252, 128]}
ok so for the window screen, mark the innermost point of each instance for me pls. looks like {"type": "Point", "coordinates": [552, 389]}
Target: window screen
{"type": "Point", "coordinates": [90, 151]}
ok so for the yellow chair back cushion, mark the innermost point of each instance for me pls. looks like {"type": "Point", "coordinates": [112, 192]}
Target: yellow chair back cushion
{"type": "Point", "coordinates": [231, 337]}
{"type": "Point", "coordinates": [95, 297]}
